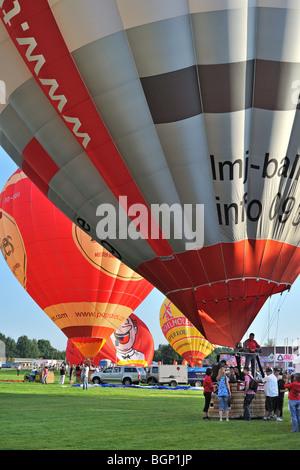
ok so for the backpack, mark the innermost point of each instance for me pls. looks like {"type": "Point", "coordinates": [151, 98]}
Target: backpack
{"type": "Point", "coordinates": [253, 384]}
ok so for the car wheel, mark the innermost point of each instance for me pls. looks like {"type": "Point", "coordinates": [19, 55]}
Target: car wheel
{"type": "Point", "coordinates": [127, 381]}
{"type": "Point", "coordinates": [173, 383]}
{"type": "Point", "coordinates": [198, 383]}
{"type": "Point", "coordinates": [96, 380]}
{"type": "Point", "coordinates": [151, 381]}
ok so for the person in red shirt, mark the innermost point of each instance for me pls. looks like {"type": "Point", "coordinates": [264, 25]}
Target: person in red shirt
{"type": "Point", "coordinates": [294, 402]}
{"type": "Point", "coordinates": [208, 388]}
{"type": "Point", "coordinates": [251, 346]}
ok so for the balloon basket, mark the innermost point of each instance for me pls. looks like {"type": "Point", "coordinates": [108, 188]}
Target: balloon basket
{"type": "Point", "coordinates": [78, 378]}
{"type": "Point", "coordinates": [236, 409]}
{"type": "Point", "coordinates": [39, 377]}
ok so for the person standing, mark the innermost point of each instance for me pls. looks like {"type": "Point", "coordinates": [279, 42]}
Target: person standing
{"type": "Point", "coordinates": [271, 392]}
{"type": "Point", "coordinates": [249, 394]}
{"type": "Point", "coordinates": [78, 373]}
{"type": "Point", "coordinates": [215, 369]}
{"type": "Point", "coordinates": [62, 373]}
{"type": "Point", "coordinates": [294, 402]}
{"type": "Point", "coordinates": [251, 347]}
{"type": "Point", "coordinates": [71, 373]}
{"type": "Point", "coordinates": [44, 381]}
{"type": "Point", "coordinates": [223, 393]}
{"type": "Point", "coordinates": [85, 376]}
{"type": "Point", "coordinates": [208, 388]}
{"type": "Point", "coordinates": [281, 381]}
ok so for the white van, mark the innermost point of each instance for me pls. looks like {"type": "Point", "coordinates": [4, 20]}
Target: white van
{"type": "Point", "coordinates": [167, 374]}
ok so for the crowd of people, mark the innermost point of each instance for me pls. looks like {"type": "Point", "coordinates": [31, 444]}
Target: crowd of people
{"type": "Point", "coordinates": [81, 370]}
{"type": "Point", "coordinates": [275, 384]}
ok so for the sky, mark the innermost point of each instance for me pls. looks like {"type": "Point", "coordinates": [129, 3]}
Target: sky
{"type": "Point", "coordinates": [279, 319]}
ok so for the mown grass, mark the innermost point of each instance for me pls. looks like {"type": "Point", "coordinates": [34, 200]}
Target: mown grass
{"type": "Point", "coordinates": [53, 417]}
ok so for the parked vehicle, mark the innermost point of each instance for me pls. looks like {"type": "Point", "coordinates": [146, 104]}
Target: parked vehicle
{"type": "Point", "coordinates": [196, 375]}
{"type": "Point", "coordinates": [125, 375]}
{"type": "Point", "coordinates": [167, 374]}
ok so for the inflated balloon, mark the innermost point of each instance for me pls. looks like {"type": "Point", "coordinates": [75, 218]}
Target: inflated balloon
{"type": "Point", "coordinates": [181, 334]}
{"type": "Point", "coordinates": [74, 356]}
{"type": "Point", "coordinates": [133, 342]}
{"type": "Point", "coordinates": [85, 291]}
{"type": "Point", "coordinates": [146, 112]}
{"type": "Point", "coordinates": [130, 344]}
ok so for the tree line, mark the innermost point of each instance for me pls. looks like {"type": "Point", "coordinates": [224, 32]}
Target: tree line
{"type": "Point", "coordinates": [167, 355]}
{"type": "Point", "coordinates": [30, 348]}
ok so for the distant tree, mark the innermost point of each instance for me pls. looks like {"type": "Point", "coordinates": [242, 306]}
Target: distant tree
{"type": "Point", "coordinates": [34, 349]}
{"type": "Point", "coordinates": [212, 357]}
{"type": "Point", "coordinates": [27, 347]}
{"type": "Point", "coordinates": [30, 348]}
{"type": "Point", "coordinates": [166, 354]}
{"type": "Point", "coordinates": [10, 347]}
{"type": "Point", "coordinates": [45, 348]}
{"type": "Point", "coordinates": [271, 342]}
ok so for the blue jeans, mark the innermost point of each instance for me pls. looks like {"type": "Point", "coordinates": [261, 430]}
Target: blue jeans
{"type": "Point", "coordinates": [247, 400]}
{"type": "Point", "coordinates": [223, 403]}
{"type": "Point", "coordinates": [251, 360]}
{"type": "Point", "coordinates": [84, 382]}
{"type": "Point", "coordinates": [295, 414]}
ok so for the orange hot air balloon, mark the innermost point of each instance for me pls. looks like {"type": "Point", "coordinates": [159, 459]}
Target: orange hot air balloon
{"type": "Point", "coordinates": [74, 356]}
{"type": "Point", "coordinates": [182, 335]}
{"type": "Point", "coordinates": [166, 106]}
{"type": "Point", "coordinates": [85, 291]}
{"type": "Point", "coordinates": [130, 344]}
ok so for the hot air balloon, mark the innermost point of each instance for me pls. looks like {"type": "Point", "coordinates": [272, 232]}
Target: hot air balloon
{"type": "Point", "coordinates": [181, 334]}
{"type": "Point", "coordinates": [147, 114]}
{"type": "Point", "coordinates": [74, 356]}
{"type": "Point", "coordinates": [130, 344]}
{"type": "Point", "coordinates": [85, 291]}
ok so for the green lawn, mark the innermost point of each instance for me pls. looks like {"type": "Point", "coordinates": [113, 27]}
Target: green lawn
{"type": "Point", "coordinates": [52, 417]}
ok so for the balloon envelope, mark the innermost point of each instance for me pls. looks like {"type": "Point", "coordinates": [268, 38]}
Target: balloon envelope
{"type": "Point", "coordinates": [130, 344]}
{"type": "Point", "coordinates": [182, 335]}
{"type": "Point", "coordinates": [84, 290]}
{"type": "Point", "coordinates": [144, 108]}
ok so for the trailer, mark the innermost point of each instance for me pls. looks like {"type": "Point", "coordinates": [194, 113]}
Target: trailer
{"type": "Point", "coordinates": [196, 376]}
{"type": "Point", "coordinates": [171, 375]}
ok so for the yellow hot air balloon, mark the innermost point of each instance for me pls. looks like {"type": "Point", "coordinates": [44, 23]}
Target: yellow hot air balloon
{"type": "Point", "coordinates": [182, 335]}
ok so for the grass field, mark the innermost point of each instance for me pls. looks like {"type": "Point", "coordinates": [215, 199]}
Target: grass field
{"type": "Point", "coordinates": [54, 417]}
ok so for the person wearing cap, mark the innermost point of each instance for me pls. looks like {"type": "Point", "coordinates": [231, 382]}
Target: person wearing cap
{"type": "Point", "coordinates": [271, 392]}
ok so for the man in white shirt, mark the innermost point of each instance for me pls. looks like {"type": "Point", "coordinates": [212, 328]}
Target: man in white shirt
{"type": "Point", "coordinates": [271, 392]}
{"type": "Point", "coordinates": [85, 375]}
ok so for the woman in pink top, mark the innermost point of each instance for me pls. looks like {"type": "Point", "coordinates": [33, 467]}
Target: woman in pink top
{"type": "Point", "coordinates": [44, 381]}
{"type": "Point", "coordinates": [249, 394]}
